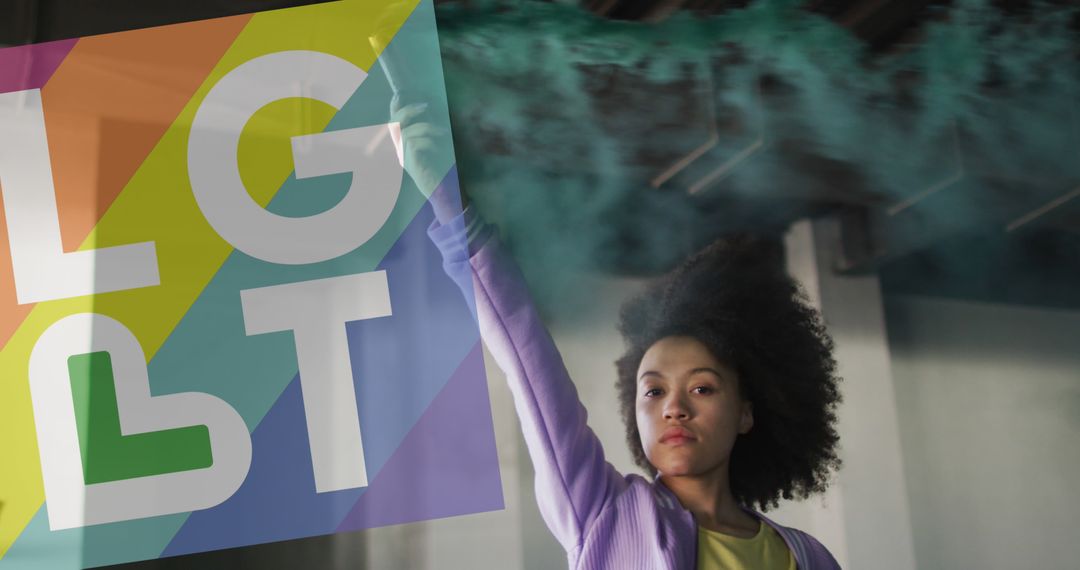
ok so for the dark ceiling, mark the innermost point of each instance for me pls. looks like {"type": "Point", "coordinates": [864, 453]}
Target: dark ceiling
{"type": "Point", "coordinates": [1026, 225]}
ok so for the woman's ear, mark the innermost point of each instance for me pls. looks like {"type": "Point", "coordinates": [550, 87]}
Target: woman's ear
{"type": "Point", "coordinates": [746, 417]}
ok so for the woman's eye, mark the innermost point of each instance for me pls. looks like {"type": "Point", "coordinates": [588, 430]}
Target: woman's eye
{"type": "Point", "coordinates": [703, 390]}
{"type": "Point", "coordinates": [652, 392]}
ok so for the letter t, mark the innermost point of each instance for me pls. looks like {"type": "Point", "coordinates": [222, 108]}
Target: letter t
{"type": "Point", "coordinates": [316, 311]}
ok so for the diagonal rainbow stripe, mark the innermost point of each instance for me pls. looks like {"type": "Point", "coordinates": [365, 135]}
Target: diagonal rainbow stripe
{"type": "Point", "coordinates": [152, 160]}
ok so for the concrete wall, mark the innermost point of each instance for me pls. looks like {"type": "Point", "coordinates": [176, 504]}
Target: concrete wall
{"type": "Point", "coordinates": [989, 405]}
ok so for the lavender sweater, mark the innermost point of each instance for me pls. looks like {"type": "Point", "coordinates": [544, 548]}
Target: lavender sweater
{"type": "Point", "coordinates": [602, 518]}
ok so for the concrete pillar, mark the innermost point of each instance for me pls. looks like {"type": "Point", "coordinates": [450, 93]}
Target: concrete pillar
{"type": "Point", "coordinates": [864, 519]}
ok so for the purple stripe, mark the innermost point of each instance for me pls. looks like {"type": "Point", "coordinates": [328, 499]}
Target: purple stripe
{"type": "Point", "coordinates": [446, 466]}
{"type": "Point", "coordinates": [30, 67]}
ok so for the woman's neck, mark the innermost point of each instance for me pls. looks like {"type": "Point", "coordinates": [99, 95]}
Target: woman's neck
{"type": "Point", "coordinates": [708, 497]}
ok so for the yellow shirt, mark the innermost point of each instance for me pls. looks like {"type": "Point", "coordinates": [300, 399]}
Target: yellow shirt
{"type": "Point", "coordinates": [765, 551]}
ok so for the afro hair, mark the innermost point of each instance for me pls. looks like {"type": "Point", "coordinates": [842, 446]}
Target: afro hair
{"type": "Point", "coordinates": [736, 299]}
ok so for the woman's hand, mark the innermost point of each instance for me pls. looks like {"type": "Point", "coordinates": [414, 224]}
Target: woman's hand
{"type": "Point", "coordinates": [425, 150]}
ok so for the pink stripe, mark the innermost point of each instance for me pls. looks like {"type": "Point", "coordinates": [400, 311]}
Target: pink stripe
{"type": "Point", "coordinates": [30, 67]}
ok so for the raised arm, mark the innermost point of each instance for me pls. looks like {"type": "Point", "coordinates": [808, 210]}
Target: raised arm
{"type": "Point", "coordinates": [573, 480]}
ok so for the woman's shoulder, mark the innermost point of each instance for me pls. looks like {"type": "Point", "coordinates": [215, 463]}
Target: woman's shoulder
{"type": "Point", "coordinates": [810, 553]}
{"type": "Point", "coordinates": [641, 490]}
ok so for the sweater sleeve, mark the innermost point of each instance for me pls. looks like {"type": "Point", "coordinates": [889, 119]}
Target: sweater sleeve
{"type": "Point", "coordinates": [573, 480]}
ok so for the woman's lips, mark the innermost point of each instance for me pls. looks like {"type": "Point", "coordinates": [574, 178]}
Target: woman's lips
{"type": "Point", "coordinates": [676, 436]}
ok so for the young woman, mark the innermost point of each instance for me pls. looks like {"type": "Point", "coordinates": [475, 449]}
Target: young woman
{"type": "Point", "coordinates": [727, 388]}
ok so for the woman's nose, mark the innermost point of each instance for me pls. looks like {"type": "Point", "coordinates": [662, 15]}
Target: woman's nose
{"type": "Point", "coordinates": [676, 409]}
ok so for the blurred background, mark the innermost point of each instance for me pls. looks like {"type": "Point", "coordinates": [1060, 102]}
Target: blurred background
{"type": "Point", "coordinates": [920, 161]}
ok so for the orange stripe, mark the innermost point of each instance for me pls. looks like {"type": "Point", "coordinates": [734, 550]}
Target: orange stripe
{"type": "Point", "coordinates": [106, 107]}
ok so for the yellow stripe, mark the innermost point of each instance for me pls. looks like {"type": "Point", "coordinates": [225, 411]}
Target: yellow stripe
{"type": "Point", "coordinates": [157, 205]}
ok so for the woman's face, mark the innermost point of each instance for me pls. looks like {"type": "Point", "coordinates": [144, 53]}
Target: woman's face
{"type": "Point", "coordinates": [689, 410]}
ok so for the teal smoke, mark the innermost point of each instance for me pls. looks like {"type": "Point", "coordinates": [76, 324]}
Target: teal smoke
{"type": "Point", "coordinates": [562, 118]}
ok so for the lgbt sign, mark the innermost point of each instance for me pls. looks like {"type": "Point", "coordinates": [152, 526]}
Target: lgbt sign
{"type": "Point", "coordinates": [223, 322]}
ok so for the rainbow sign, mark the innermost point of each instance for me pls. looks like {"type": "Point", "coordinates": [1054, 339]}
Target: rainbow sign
{"type": "Point", "coordinates": [223, 322]}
